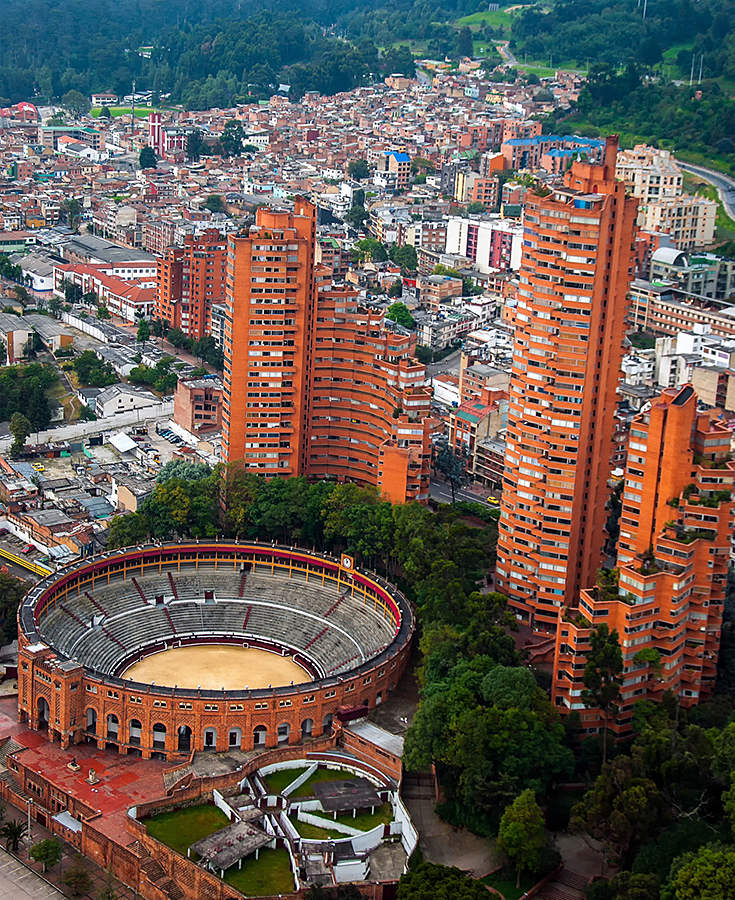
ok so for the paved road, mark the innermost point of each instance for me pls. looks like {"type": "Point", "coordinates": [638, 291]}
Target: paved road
{"type": "Point", "coordinates": [504, 51]}
{"type": "Point", "coordinates": [724, 184]}
{"type": "Point", "coordinates": [448, 364]}
{"type": "Point", "coordinates": [19, 883]}
{"type": "Point", "coordinates": [441, 491]}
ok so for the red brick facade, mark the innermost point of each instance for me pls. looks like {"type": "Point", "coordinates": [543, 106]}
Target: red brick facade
{"type": "Point", "coordinates": [74, 703]}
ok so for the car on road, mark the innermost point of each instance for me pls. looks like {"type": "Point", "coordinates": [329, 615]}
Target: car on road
{"type": "Point", "coordinates": [493, 501]}
{"type": "Point", "coordinates": [39, 467]}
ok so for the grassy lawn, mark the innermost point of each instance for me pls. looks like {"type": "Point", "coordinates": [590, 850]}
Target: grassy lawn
{"type": "Point", "coordinates": [725, 225]}
{"type": "Point", "coordinates": [507, 885]}
{"type": "Point", "coordinates": [481, 19]}
{"type": "Point", "coordinates": [141, 112]}
{"type": "Point", "coordinates": [367, 820]}
{"type": "Point", "coordinates": [321, 775]}
{"type": "Point", "coordinates": [184, 827]}
{"type": "Point", "coordinates": [279, 781]}
{"type": "Point", "coordinates": [267, 875]}
{"type": "Point", "coordinates": [307, 830]}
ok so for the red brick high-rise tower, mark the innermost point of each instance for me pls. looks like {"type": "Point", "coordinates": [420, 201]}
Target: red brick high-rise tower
{"type": "Point", "coordinates": [574, 276]}
{"type": "Point", "coordinates": [315, 384]}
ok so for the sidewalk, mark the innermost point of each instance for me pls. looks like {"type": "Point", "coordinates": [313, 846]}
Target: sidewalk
{"type": "Point", "coordinates": [17, 882]}
{"type": "Point", "coordinates": [23, 867]}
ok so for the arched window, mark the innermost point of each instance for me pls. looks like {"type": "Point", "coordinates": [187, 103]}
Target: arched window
{"type": "Point", "coordinates": [91, 721]}
{"type": "Point", "coordinates": [284, 731]}
{"type": "Point", "coordinates": [112, 724]}
{"type": "Point", "coordinates": [135, 732]}
{"type": "Point", "coordinates": [260, 733]}
{"type": "Point", "coordinates": [159, 736]}
{"type": "Point", "coordinates": [327, 723]}
{"type": "Point", "coordinates": [234, 738]}
{"type": "Point", "coordinates": [307, 726]}
{"type": "Point", "coordinates": [210, 738]}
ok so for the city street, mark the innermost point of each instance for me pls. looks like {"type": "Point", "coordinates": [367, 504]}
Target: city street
{"type": "Point", "coordinates": [442, 492]}
{"type": "Point", "coordinates": [724, 184]}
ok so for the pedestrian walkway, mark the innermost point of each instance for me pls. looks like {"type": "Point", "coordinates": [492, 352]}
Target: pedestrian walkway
{"type": "Point", "coordinates": [20, 883]}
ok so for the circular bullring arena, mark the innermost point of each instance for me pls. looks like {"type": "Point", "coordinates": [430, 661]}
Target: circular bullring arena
{"type": "Point", "coordinates": [164, 649]}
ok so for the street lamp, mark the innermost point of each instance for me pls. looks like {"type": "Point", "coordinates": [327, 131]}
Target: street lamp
{"type": "Point", "coordinates": [95, 792]}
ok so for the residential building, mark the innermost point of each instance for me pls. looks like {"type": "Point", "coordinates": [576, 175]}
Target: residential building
{"type": "Point", "coordinates": [190, 279]}
{"type": "Point", "coordinates": [476, 419]}
{"type": "Point", "coordinates": [703, 274]}
{"type": "Point", "coordinates": [673, 557]}
{"type": "Point", "coordinates": [492, 243]}
{"type": "Point", "coordinates": [650, 173]}
{"type": "Point", "coordinates": [438, 289]}
{"type": "Point", "coordinates": [123, 398]}
{"type": "Point", "coordinates": [574, 277]}
{"type": "Point", "coordinates": [489, 462]}
{"type": "Point", "coordinates": [314, 384]}
{"type": "Point", "coordinates": [661, 308]}
{"type": "Point", "coordinates": [689, 220]}
{"type": "Point", "coordinates": [198, 404]}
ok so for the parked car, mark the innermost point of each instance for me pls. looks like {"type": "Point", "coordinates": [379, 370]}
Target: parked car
{"type": "Point", "coordinates": [29, 548]}
{"type": "Point", "coordinates": [3, 532]}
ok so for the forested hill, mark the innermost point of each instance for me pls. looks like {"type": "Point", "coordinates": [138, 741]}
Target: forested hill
{"type": "Point", "coordinates": [596, 31]}
{"type": "Point", "coordinates": [203, 52]}
{"type": "Point", "coordinates": [217, 52]}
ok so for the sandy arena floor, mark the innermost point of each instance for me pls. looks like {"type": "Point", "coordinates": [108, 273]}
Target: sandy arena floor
{"type": "Point", "coordinates": [215, 666]}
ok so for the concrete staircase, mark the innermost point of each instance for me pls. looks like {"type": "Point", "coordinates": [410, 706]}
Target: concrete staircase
{"type": "Point", "coordinates": [566, 885]}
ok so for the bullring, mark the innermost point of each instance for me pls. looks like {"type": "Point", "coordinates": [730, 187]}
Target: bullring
{"type": "Point", "coordinates": [82, 629]}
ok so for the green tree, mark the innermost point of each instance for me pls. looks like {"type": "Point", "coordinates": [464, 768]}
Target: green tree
{"type": "Point", "coordinates": [12, 591]}
{"type": "Point", "coordinates": [446, 460]}
{"type": "Point", "coordinates": [621, 810]}
{"type": "Point", "coordinates": [55, 306]}
{"type": "Point", "coordinates": [23, 294]}
{"type": "Point", "coordinates": [77, 877]}
{"type": "Point", "coordinates": [20, 427]}
{"type": "Point", "coordinates": [147, 158]}
{"type": "Point", "coordinates": [108, 891]}
{"type": "Point", "coordinates": [47, 852]}
{"type": "Point", "coordinates": [398, 312]}
{"type": "Point", "coordinates": [195, 145]}
{"type": "Point", "coordinates": [706, 875]}
{"type": "Point", "coordinates": [396, 289]}
{"type": "Point", "coordinates": [369, 249]}
{"type": "Point", "coordinates": [603, 676]}
{"type": "Point", "coordinates": [358, 169]}
{"type": "Point", "coordinates": [13, 833]}
{"type": "Point", "coordinates": [357, 216]}
{"type": "Point", "coordinates": [429, 881]}
{"type": "Point", "coordinates": [521, 835]}
{"type": "Point", "coordinates": [183, 470]}
{"type": "Point", "coordinates": [76, 103]}
{"type": "Point", "coordinates": [72, 292]}
{"type": "Point", "coordinates": [144, 331]}
{"type": "Point", "coordinates": [475, 208]}
{"type": "Point", "coordinates": [103, 312]}
{"type": "Point", "coordinates": [405, 256]}
{"type": "Point", "coordinates": [465, 46]}
{"type": "Point", "coordinates": [232, 139]}
{"type": "Point", "coordinates": [92, 371]}
{"type": "Point", "coordinates": [105, 113]}
{"type": "Point", "coordinates": [72, 210]}
{"type": "Point", "coordinates": [214, 203]}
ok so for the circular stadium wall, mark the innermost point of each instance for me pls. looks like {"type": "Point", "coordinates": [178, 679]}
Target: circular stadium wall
{"type": "Point", "coordinates": [213, 621]}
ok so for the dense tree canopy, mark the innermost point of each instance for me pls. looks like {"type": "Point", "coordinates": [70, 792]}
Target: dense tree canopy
{"type": "Point", "coordinates": [23, 389]}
